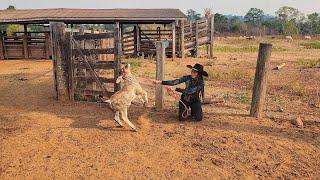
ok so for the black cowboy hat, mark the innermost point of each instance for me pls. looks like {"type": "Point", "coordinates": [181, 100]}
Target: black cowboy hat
{"type": "Point", "coordinates": [199, 68]}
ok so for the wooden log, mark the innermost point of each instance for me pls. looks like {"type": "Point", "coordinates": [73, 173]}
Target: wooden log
{"type": "Point", "coordinates": [1, 47]}
{"type": "Point", "coordinates": [159, 99]}
{"type": "Point", "coordinates": [117, 54]}
{"type": "Point", "coordinates": [182, 38]}
{"type": "Point", "coordinates": [173, 40]}
{"type": "Point", "coordinates": [59, 61]}
{"type": "Point", "coordinates": [93, 36]}
{"type": "Point", "coordinates": [260, 81]}
{"type": "Point", "coordinates": [212, 36]}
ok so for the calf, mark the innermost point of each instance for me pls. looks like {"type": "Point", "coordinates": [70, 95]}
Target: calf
{"type": "Point", "coordinates": [122, 99]}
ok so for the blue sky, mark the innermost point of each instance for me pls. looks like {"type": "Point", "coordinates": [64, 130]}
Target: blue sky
{"type": "Point", "coordinates": [239, 7]}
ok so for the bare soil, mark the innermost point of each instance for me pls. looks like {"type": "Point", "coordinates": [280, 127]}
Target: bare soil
{"type": "Point", "coordinates": [43, 138]}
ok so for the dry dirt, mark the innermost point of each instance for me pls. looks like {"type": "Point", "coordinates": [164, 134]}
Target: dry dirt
{"type": "Point", "coordinates": [42, 138]}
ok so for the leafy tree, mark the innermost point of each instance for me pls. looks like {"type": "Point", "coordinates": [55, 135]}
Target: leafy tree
{"type": "Point", "coordinates": [193, 15]}
{"type": "Point", "coordinates": [290, 28]}
{"type": "Point", "coordinates": [254, 16]}
{"type": "Point", "coordinates": [287, 13]}
{"type": "Point", "coordinates": [11, 7]}
{"type": "Point", "coordinates": [221, 22]}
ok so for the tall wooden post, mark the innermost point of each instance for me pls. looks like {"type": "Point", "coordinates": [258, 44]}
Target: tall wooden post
{"type": "Point", "coordinates": [60, 64]}
{"type": "Point", "coordinates": [138, 39]}
{"type": "Point", "coordinates": [260, 81]}
{"type": "Point", "coordinates": [211, 19]}
{"type": "Point", "coordinates": [173, 40]}
{"type": "Point", "coordinates": [25, 42]}
{"type": "Point", "coordinates": [197, 39]}
{"type": "Point", "coordinates": [47, 45]}
{"type": "Point", "coordinates": [117, 54]}
{"type": "Point", "coordinates": [160, 49]}
{"type": "Point", "coordinates": [182, 38]}
{"type": "Point", "coordinates": [1, 47]}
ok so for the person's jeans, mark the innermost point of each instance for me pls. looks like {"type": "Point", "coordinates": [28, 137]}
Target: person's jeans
{"type": "Point", "coordinates": [196, 110]}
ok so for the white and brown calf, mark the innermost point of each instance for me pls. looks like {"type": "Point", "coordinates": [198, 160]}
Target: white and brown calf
{"type": "Point", "coordinates": [122, 99]}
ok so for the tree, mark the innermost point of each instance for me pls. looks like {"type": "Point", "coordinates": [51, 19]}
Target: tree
{"type": "Point", "coordinates": [254, 16]}
{"type": "Point", "coordinates": [290, 28]}
{"type": "Point", "coordinates": [287, 13]}
{"type": "Point", "coordinates": [192, 15]}
{"type": "Point", "coordinates": [221, 22]}
{"type": "Point", "coordinates": [11, 7]}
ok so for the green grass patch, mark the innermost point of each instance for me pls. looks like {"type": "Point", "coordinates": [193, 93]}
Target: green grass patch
{"type": "Point", "coordinates": [309, 63]}
{"type": "Point", "coordinates": [243, 98]}
{"type": "Point", "coordinates": [246, 49]}
{"type": "Point", "coordinates": [311, 45]}
{"type": "Point", "coordinates": [230, 49]}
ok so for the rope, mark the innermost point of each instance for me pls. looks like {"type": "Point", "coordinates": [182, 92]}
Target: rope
{"type": "Point", "coordinates": [173, 94]}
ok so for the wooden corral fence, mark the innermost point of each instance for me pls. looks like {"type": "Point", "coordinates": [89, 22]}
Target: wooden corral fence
{"type": "Point", "coordinates": [33, 45]}
{"type": "Point", "coordinates": [80, 72]}
{"type": "Point", "coordinates": [199, 33]}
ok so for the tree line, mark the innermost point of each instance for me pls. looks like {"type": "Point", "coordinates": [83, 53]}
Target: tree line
{"type": "Point", "coordinates": [287, 21]}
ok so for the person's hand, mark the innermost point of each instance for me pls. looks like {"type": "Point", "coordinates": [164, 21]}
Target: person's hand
{"type": "Point", "coordinates": [156, 82]}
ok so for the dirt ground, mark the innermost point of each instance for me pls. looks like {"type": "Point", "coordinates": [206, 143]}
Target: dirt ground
{"type": "Point", "coordinates": [42, 138]}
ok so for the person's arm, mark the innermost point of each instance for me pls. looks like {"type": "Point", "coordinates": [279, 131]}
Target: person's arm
{"type": "Point", "coordinates": [174, 82]}
{"type": "Point", "coordinates": [191, 90]}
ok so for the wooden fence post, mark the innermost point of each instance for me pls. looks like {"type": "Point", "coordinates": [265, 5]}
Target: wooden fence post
{"type": "Point", "coordinates": [173, 40]}
{"type": "Point", "coordinates": [159, 99]}
{"type": "Point", "coordinates": [211, 35]}
{"type": "Point", "coordinates": [260, 81]}
{"type": "Point", "coordinates": [1, 47]}
{"type": "Point", "coordinates": [182, 38]}
{"type": "Point", "coordinates": [60, 60]}
{"type": "Point", "coordinates": [47, 45]}
{"type": "Point", "coordinates": [197, 39]}
{"type": "Point", "coordinates": [117, 54]}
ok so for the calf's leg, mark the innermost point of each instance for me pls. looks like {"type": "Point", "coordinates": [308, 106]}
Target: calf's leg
{"type": "Point", "coordinates": [117, 118]}
{"type": "Point", "coordinates": [124, 115]}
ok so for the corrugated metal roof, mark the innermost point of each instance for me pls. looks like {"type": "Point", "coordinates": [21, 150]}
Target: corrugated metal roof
{"type": "Point", "coordinates": [70, 15]}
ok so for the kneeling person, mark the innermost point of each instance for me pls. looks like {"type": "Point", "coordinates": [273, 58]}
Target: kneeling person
{"type": "Point", "coordinates": [191, 94]}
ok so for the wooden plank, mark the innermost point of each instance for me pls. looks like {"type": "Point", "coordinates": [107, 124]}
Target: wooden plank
{"type": "Point", "coordinates": [61, 80]}
{"type": "Point", "coordinates": [135, 40]}
{"type": "Point", "coordinates": [86, 92]}
{"type": "Point", "coordinates": [94, 51]}
{"type": "Point", "coordinates": [197, 40]}
{"type": "Point", "coordinates": [260, 81]}
{"type": "Point", "coordinates": [93, 36]}
{"type": "Point", "coordinates": [211, 36]}
{"type": "Point", "coordinates": [47, 45]}
{"type": "Point", "coordinates": [25, 47]}
{"type": "Point", "coordinates": [159, 99]}
{"type": "Point", "coordinates": [117, 54]}
{"type": "Point", "coordinates": [182, 38]}
{"type": "Point", "coordinates": [95, 65]}
{"type": "Point", "coordinates": [173, 40]}
{"type": "Point", "coordinates": [92, 79]}
{"type": "Point", "coordinates": [1, 47]}
{"type": "Point", "coordinates": [70, 64]}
